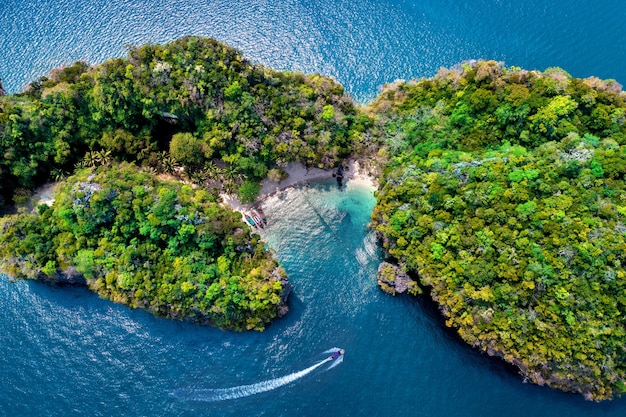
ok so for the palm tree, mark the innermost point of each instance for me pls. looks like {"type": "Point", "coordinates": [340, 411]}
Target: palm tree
{"type": "Point", "coordinates": [232, 174]}
{"type": "Point", "coordinates": [212, 171]}
{"type": "Point", "coordinates": [231, 177]}
{"type": "Point", "coordinates": [198, 177]}
{"type": "Point", "coordinates": [168, 165]}
{"type": "Point", "coordinates": [103, 157]}
{"type": "Point", "coordinates": [90, 160]}
{"type": "Point", "coordinates": [58, 174]}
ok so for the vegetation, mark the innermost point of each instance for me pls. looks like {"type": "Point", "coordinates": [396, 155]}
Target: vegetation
{"type": "Point", "coordinates": [176, 108]}
{"type": "Point", "coordinates": [194, 109]}
{"type": "Point", "coordinates": [149, 244]}
{"type": "Point", "coordinates": [505, 195]}
{"type": "Point", "coordinates": [503, 192]}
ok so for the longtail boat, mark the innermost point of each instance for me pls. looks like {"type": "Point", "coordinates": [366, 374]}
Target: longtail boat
{"type": "Point", "coordinates": [257, 220]}
{"type": "Point", "coordinates": [263, 218]}
{"type": "Point", "coordinates": [250, 220]}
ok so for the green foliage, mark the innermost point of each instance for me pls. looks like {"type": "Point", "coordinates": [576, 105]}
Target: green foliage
{"type": "Point", "coordinates": [187, 150]}
{"type": "Point", "coordinates": [134, 109]}
{"type": "Point", "coordinates": [149, 244]}
{"type": "Point", "coordinates": [248, 192]}
{"type": "Point", "coordinates": [503, 191]}
{"type": "Point", "coordinates": [328, 113]}
{"type": "Point", "coordinates": [508, 202]}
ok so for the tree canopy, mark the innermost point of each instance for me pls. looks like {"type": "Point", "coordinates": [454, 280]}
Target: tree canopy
{"type": "Point", "coordinates": [504, 194]}
{"type": "Point", "coordinates": [198, 91]}
{"type": "Point", "coordinates": [150, 244]}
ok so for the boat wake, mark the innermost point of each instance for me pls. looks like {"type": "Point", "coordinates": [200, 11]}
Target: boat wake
{"type": "Point", "coordinates": [221, 394]}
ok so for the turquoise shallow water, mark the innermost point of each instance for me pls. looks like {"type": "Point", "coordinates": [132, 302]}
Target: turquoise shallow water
{"type": "Point", "coordinates": [65, 352]}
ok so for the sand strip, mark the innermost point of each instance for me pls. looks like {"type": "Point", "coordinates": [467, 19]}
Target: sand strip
{"type": "Point", "coordinates": [299, 174]}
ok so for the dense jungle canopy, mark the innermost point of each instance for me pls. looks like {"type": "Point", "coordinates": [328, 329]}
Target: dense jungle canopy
{"type": "Point", "coordinates": [501, 192]}
{"type": "Point", "coordinates": [505, 195]}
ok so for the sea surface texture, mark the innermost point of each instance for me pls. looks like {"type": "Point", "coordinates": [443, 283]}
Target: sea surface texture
{"type": "Point", "coordinates": [65, 352]}
{"type": "Point", "coordinates": [363, 44]}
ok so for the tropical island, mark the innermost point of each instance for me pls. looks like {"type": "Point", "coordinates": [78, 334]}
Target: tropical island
{"type": "Point", "coordinates": [501, 196]}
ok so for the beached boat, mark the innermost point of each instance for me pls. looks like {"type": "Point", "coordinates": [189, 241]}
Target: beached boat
{"type": "Point", "coordinates": [261, 214]}
{"type": "Point", "coordinates": [250, 220]}
{"type": "Point", "coordinates": [257, 219]}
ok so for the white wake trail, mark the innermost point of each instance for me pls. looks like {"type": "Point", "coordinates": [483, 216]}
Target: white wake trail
{"type": "Point", "coordinates": [232, 393]}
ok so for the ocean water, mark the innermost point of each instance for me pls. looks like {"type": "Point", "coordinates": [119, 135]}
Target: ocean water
{"type": "Point", "coordinates": [65, 352]}
{"type": "Point", "coordinates": [363, 44]}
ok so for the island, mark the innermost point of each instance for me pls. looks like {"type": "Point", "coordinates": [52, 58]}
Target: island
{"type": "Point", "coordinates": [501, 194]}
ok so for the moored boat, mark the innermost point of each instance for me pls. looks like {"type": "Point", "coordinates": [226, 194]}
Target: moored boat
{"type": "Point", "coordinates": [250, 220]}
{"type": "Point", "coordinates": [257, 219]}
{"type": "Point", "coordinates": [261, 214]}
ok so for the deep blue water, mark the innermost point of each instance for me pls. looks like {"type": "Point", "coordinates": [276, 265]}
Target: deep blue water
{"type": "Point", "coordinates": [65, 352]}
{"type": "Point", "coordinates": [363, 44]}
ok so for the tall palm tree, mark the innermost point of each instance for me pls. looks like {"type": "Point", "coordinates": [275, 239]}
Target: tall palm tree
{"type": "Point", "coordinates": [103, 157]}
{"type": "Point", "coordinates": [212, 171]}
{"type": "Point", "coordinates": [231, 178]}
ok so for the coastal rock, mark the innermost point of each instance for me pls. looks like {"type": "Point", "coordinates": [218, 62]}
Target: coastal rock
{"type": "Point", "coordinates": [393, 280]}
{"type": "Point", "coordinates": [2, 90]}
{"type": "Point", "coordinates": [68, 276]}
{"type": "Point", "coordinates": [283, 307]}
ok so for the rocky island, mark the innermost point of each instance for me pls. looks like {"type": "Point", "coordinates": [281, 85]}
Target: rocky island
{"type": "Point", "coordinates": [502, 194]}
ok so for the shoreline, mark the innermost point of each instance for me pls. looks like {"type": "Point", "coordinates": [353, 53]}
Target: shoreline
{"type": "Point", "coordinates": [299, 174]}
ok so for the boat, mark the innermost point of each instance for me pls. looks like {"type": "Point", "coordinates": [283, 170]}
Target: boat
{"type": "Point", "coordinates": [257, 219]}
{"type": "Point", "coordinates": [260, 211]}
{"type": "Point", "coordinates": [250, 220]}
{"type": "Point", "coordinates": [336, 354]}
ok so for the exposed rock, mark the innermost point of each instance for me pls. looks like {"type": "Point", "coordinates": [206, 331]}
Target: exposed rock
{"type": "Point", "coordinates": [279, 274]}
{"type": "Point", "coordinates": [68, 276]}
{"type": "Point", "coordinates": [393, 280]}
{"type": "Point", "coordinates": [2, 90]}
{"type": "Point", "coordinates": [287, 288]}
{"type": "Point", "coordinates": [283, 308]}
{"type": "Point", "coordinates": [169, 118]}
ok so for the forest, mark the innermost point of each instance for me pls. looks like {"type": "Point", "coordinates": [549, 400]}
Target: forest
{"type": "Point", "coordinates": [504, 195]}
{"type": "Point", "coordinates": [501, 194]}
{"type": "Point", "coordinates": [194, 107]}
{"type": "Point", "coordinates": [196, 111]}
{"type": "Point", "coordinates": [148, 243]}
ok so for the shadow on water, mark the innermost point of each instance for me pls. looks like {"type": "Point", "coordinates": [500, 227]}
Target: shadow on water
{"type": "Point", "coordinates": [430, 312]}
{"type": "Point", "coordinates": [402, 360]}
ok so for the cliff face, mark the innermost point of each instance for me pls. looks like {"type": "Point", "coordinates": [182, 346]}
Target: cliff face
{"type": "Point", "coordinates": [393, 280]}
{"type": "Point", "coordinates": [67, 276]}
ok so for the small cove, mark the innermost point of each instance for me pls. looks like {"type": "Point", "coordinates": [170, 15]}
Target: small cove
{"type": "Point", "coordinates": [67, 352]}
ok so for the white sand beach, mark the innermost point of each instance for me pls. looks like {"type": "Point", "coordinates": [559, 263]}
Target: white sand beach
{"type": "Point", "coordinates": [299, 174]}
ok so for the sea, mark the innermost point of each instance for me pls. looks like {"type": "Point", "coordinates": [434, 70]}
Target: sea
{"type": "Point", "coordinates": [66, 352]}
{"type": "Point", "coordinates": [363, 44]}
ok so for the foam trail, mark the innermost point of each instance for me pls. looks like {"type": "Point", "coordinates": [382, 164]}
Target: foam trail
{"type": "Point", "coordinates": [221, 394]}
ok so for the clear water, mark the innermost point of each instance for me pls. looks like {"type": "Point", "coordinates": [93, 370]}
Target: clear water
{"type": "Point", "coordinates": [65, 352]}
{"type": "Point", "coordinates": [363, 44]}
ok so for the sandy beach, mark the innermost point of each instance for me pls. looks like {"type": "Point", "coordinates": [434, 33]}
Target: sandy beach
{"type": "Point", "coordinates": [299, 174]}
